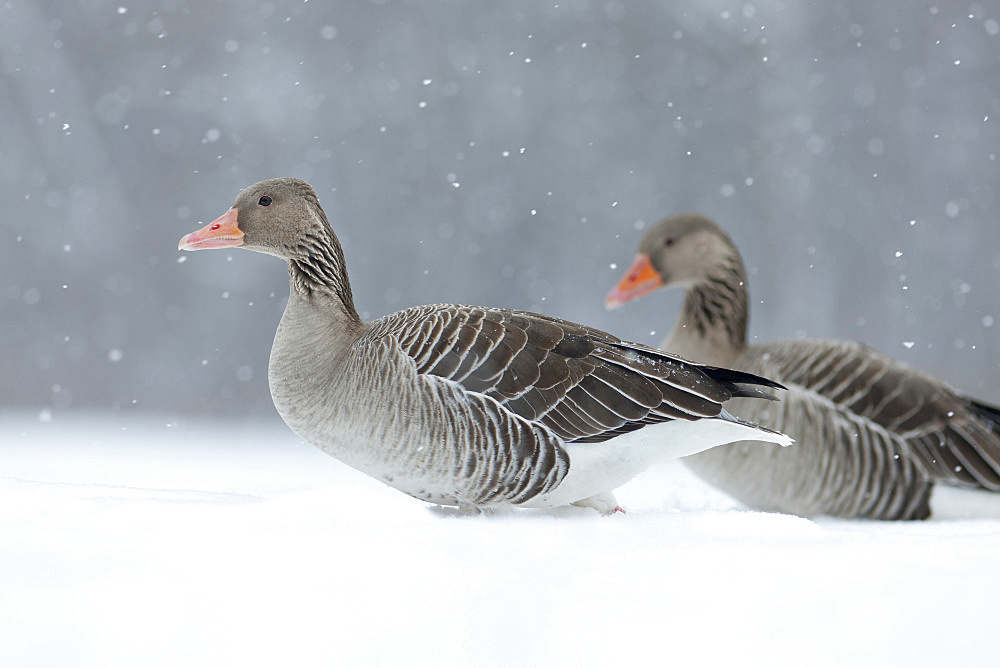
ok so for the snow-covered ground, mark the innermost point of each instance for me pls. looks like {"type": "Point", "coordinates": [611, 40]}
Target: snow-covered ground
{"type": "Point", "coordinates": [183, 543]}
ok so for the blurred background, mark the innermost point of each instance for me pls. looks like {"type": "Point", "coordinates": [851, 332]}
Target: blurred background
{"type": "Point", "coordinates": [501, 154]}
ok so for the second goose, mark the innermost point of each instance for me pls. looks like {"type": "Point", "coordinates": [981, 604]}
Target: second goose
{"type": "Point", "coordinates": [873, 435]}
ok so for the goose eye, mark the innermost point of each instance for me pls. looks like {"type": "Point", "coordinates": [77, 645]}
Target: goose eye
{"type": "Point", "coordinates": [669, 241]}
{"type": "Point", "coordinates": [264, 201]}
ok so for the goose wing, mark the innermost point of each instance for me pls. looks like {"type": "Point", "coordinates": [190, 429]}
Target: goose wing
{"type": "Point", "coordinates": [583, 384]}
{"type": "Point", "coordinates": [954, 438]}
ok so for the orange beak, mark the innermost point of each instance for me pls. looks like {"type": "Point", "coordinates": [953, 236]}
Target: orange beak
{"type": "Point", "coordinates": [639, 280]}
{"type": "Point", "coordinates": [223, 232]}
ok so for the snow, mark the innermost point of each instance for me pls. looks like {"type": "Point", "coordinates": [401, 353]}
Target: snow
{"type": "Point", "coordinates": [156, 542]}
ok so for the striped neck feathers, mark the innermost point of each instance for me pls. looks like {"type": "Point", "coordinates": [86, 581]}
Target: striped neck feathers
{"type": "Point", "coordinates": [715, 314]}
{"type": "Point", "coordinates": [316, 267]}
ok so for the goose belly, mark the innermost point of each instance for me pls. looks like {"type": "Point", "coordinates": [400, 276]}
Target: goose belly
{"type": "Point", "coordinates": [598, 468]}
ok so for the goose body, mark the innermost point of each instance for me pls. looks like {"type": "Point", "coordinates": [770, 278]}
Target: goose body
{"type": "Point", "coordinates": [468, 406]}
{"type": "Point", "coordinates": [873, 435]}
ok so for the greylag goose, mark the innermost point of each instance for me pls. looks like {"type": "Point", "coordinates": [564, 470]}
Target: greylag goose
{"type": "Point", "coordinates": [472, 407]}
{"type": "Point", "coordinates": [873, 435]}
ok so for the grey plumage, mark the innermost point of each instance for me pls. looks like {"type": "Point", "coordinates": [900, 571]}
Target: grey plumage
{"type": "Point", "coordinates": [873, 435]}
{"type": "Point", "coordinates": [462, 405]}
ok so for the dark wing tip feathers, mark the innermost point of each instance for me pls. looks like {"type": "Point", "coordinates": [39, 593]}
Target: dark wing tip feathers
{"type": "Point", "coordinates": [744, 390]}
{"type": "Point", "coordinates": [985, 412]}
{"type": "Point", "coordinates": [739, 378]}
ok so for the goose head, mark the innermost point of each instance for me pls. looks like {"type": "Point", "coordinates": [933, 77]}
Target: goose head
{"type": "Point", "coordinates": [681, 250]}
{"type": "Point", "coordinates": [280, 217]}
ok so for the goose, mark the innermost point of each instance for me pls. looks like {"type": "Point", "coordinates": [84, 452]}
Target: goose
{"type": "Point", "coordinates": [479, 408]}
{"type": "Point", "coordinates": [873, 434]}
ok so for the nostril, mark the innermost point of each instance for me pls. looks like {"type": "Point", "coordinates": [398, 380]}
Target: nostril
{"type": "Point", "coordinates": [215, 227]}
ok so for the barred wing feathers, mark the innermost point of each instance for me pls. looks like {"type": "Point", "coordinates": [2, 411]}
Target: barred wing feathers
{"type": "Point", "coordinates": [583, 384]}
{"type": "Point", "coordinates": [953, 437]}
